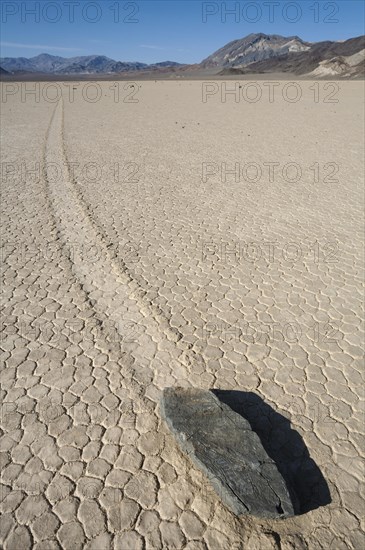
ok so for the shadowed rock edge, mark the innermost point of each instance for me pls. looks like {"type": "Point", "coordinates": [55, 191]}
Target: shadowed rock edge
{"type": "Point", "coordinates": [222, 444]}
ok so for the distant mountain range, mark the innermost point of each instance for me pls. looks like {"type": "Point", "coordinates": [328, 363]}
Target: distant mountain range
{"type": "Point", "coordinates": [256, 53]}
{"type": "Point", "coordinates": [90, 64]}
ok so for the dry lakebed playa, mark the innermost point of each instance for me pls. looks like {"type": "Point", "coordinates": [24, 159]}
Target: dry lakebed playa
{"type": "Point", "coordinates": [189, 234]}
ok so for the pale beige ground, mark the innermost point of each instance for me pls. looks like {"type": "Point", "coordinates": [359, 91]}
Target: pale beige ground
{"type": "Point", "coordinates": [87, 462]}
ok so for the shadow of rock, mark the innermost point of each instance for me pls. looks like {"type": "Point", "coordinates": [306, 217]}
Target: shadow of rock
{"type": "Point", "coordinates": [285, 446]}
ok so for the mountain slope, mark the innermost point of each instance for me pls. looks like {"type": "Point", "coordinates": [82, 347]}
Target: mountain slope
{"type": "Point", "coordinates": [346, 66]}
{"type": "Point", "coordinates": [306, 61]}
{"type": "Point", "coordinates": [253, 48]}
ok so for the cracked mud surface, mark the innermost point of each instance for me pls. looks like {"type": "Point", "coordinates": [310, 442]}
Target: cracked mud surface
{"type": "Point", "coordinates": [108, 298]}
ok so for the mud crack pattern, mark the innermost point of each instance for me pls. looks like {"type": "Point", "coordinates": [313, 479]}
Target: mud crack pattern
{"type": "Point", "coordinates": [89, 341]}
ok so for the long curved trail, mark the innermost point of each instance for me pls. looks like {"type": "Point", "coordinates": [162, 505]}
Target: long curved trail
{"type": "Point", "coordinates": [112, 291]}
{"type": "Point", "coordinates": [114, 295]}
{"type": "Point", "coordinates": [139, 329]}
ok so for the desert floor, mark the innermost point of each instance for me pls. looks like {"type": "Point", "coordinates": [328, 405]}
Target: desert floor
{"type": "Point", "coordinates": [153, 237]}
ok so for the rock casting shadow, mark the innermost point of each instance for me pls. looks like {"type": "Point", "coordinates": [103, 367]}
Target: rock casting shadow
{"type": "Point", "coordinates": [284, 445]}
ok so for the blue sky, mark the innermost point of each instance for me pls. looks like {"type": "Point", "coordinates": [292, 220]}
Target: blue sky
{"type": "Point", "coordinates": [151, 31]}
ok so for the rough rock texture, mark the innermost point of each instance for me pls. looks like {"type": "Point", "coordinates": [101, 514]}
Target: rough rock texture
{"type": "Point", "coordinates": [223, 445]}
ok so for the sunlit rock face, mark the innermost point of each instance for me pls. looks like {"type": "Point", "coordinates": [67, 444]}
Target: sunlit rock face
{"type": "Point", "coordinates": [222, 444]}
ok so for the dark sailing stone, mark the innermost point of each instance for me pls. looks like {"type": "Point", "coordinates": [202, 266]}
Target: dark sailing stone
{"type": "Point", "coordinates": [222, 444]}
